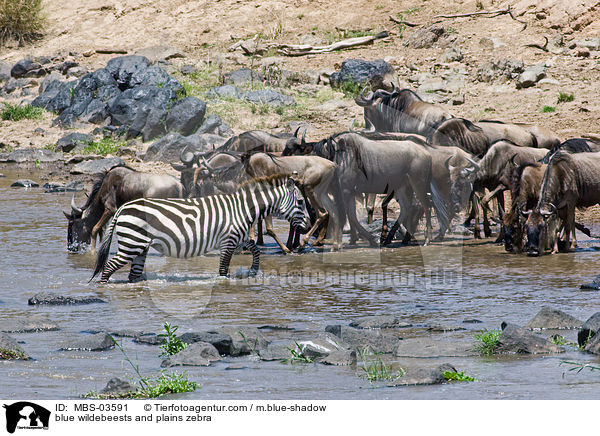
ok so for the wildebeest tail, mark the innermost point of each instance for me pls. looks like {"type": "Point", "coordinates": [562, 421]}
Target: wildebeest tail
{"type": "Point", "coordinates": [441, 210]}
{"type": "Point", "coordinates": [103, 253]}
{"type": "Point", "coordinates": [583, 229]}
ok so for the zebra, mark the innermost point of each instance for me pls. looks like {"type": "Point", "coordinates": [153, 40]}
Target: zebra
{"type": "Point", "coordinates": [188, 227]}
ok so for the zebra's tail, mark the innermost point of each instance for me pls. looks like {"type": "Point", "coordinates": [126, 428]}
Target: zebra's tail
{"type": "Point", "coordinates": [105, 247]}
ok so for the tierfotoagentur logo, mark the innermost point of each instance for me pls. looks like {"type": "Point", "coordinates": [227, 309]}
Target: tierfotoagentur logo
{"type": "Point", "coordinates": [26, 415]}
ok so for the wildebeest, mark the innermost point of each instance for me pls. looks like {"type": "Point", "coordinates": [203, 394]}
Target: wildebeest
{"type": "Point", "coordinates": [573, 145]}
{"type": "Point", "coordinates": [401, 110]}
{"type": "Point", "coordinates": [523, 134]}
{"type": "Point", "coordinates": [116, 187]}
{"type": "Point", "coordinates": [257, 140]}
{"type": "Point", "coordinates": [570, 181]}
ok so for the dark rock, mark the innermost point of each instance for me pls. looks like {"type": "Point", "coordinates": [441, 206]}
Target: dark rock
{"type": "Point", "coordinates": [593, 286]}
{"type": "Point", "coordinates": [242, 76]}
{"type": "Point", "coordinates": [378, 322]}
{"type": "Point", "coordinates": [274, 327]}
{"type": "Point", "coordinates": [52, 299]}
{"type": "Point", "coordinates": [225, 91]}
{"type": "Point", "coordinates": [73, 186]}
{"type": "Point", "coordinates": [245, 340]}
{"type": "Point", "coordinates": [126, 333]}
{"type": "Point", "coordinates": [442, 328]}
{"type": "Point", "coordinates": [549, 318]}
{"type": "Point", "coordinates": [531, 76]}
{"type": "Point", "coordinates": [116, 386]}
{"type": "Point", "coordinates": [54, 75]}
{"type": "Point", "coordinates": [515, 339]}
{"type": "Point", "coordinates": [321, 346]}
{"type": "Point", "coordinates": [27, 68]}
{"type": "Point", "coordinates": [155, 124]}
{"type": "Point", "coordinates": [122, 68]}
{"type": "Point", "coordinates": [360, 71]}
{"type": "Point", "coordinates": [589, 329]}
{"type": "Point", "coordinates": [427, 347]}
{"type": "Point", "coordinates": [99, 166]}
{"type": "Point", "coordinates": [276, 352]}
{"type": "Point", "coordinates": [269, 97]}
{"type": "Point", "coordinates": [73, 141]}
{"type": "Point", "coordinates": [425, 38]}
{"type": "Point", "coordinates": [24, 183]}
{"type": "Point", "coordinates": [186, 115]}
{"type": "Point", "coordinates": [125, 107]}
{"type": "Point", "coordinates": [188, 69]}
{"type": "Point", "coordinates": [593, 345]}
{"type": "Point", "coordinates": [156, 76]}
{"type": "Point", "coordinates": [214, 124]}
{"type": "Point", "coordinates": [32, 155]}
{"type": "Point", "coordinates": [361, 339]}
{"type": "Point", "coordinates": [97, 342]}
{"type": "Point", "coordinates": [148, 339]}
{"type": "Point", "coordinates": [56, 96]}
{"type": "Point", "coordinates": [29, 323]}
{"type": "Point", "coordinates": [472, 321]}
{"type": "Point", "coordinates": [10, 350]}
{"type": "Point", "coordinates": [424, 376]}
{"type": "Point", "coordinates": [196, 354]}
{"type": "Point", "coordinates": [96, 112]}
{"type": "Point", "coordinates": [169, 147]}
{"type": "Point", "coordinates": [339, 358]}
{"type": "Point", "coordinates": [221, 341]}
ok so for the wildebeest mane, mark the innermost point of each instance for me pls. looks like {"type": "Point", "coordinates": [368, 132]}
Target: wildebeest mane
{"type": "Point", "coordinates": [346, 147]}
{"type": "Point", "coordinates": [458, 131]}
{"type": "Point", "coordinates": [98, 184]}
{"type": "Point", "coordinates": [574, 145]}
{"type": "Point", "coordinates": [516, 178]}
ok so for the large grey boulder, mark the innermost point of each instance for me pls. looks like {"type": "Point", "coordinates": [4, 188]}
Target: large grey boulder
{"type": "Point", "coordinates": [56, 96]}
{"type": "Point", "coordinates": [244, 340]}
{"type": "Point", "coordinates": [339, 358]}
{"type": "Point", "coordinates": [269, 97]}
{"type": "Point", "coordinates": [360, 71]}
{"type": "Point", "coordinates": [96, 342]}
{"type": "Point", "coordinates": [221, 341]}
{"type": "Point", "coordinates": [424, 376]}
{"type": "Point", "coordinates": [9, 349]}
{"type": "Point", "coordinates": [360, 339]}
{"type": "Point", "coordinates": [98, 166]}
{"type": "Point", "coordinates": [242, 76]}
{"type": "Point", "coordinates": [196, 354]}
{"type": "Point", "coordinates": [186, 115]}
{"type": "Point", "coordinates": [27, 68]}
{"type": "Point", "coordinates": [276, 352]}
{"type": "Point", "coordinates": [549, 318]}
{"type": "Point", "coordinates": [517, 340]}
{"type": "Point", "coordinates": [73, 141]}
{"type": "Point", "coordinates": [123, 68]}
{"type": "Point", "coordinates": [321, 346]}
{"type": "Point", "coordinates": [531, 76]}
{"type": "Point", "coordinates": [213, 124]}
{"type": "Point", "coordinates": [169, 147]}
{"type": "Point", "coordinates": [32, 155]}
{"type": "Point", "coordinates": [225, 91]}
{"type": "Point", "coordinates": [589, 329]}
{"type": "Point", "coordinates": [425, 38]}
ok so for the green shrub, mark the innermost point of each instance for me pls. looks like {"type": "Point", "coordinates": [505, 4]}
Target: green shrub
{"type": "Point", "coordinates": [15, 112]}
{"type": "Point", "coordinates": [564, 97]}
{"type": "Point", "coordinates": [457, 376]}
{"type": "Point", "coordinates": [103, 147]}
{"type": "Point", "coordinates": [350, 89]}
{"type": "Point", "coordinates": [20, 20]}
{"type": "Point", "coordinates": [488, 342]}
{"type": "Point", "coordinates": [171, 345]}
{"type": "Point", "coordinates": [548, 109]}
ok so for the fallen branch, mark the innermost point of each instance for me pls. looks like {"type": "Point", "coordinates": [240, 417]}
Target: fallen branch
{"type": "Point", "coordinates": [401, 21]}
{"type": "Point", "coordinates": [301, 50]}
{"type": "Point", "coordinates": [541, 47]}
{"type": "Point", "coordinates": [492, 14]}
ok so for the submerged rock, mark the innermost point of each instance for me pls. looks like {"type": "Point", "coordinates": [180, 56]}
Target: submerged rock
{"type": "Point", "coordinates": [322, 346]}
{"type": "Point", "coordinates": [515, 339]}
{"type": "Point", "coordinates": [360, 339]}
{"type": "Point", "coordinates": [277, 352]}
{"type": "Point", "coordinates": [339, 358]}
{"type": "Point", "coordinates": [549, 318]}
{"type": "Point", "coordinates": [593, 345]}
{"type": "Point", "coordinates": [589, 329]}
{"type": "Point", "coordinates": [52, 299]}
{"type": "Point", "coordinates": [116, 386]}
{"type": "Point", "coordinates": [378, 322]}
{"type": "Point", "coordinates": [196, 354]}
{"type": "Point", "coordinates": [24, 183]}
{"type": "Point", "coordinates": [97, 342]}
{"type": "Point", "coordinates": [148, 339]}
{"type": "Point", "coordinates": [221, 341]}
{"type": "Point", "coordinates": [427, 348]}
{"type": "Point", "coordinates": [424, 376]}
{"type": "Point", "coordinates": [28, 324]}
{"type": "Point", "coordinates": [244, 340]}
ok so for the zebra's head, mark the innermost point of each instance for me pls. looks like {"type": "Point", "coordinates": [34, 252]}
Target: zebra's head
{"type": "Point", "coordinates": [293, 206]}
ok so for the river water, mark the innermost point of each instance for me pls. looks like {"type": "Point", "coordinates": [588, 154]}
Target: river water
{"type": "Point", "coordinates": [443, 284]}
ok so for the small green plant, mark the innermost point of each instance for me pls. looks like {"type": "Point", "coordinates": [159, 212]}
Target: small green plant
{"type": "Point", "coordinates": [479, 5]}
{"type": "Point", "coordinates": [374, 369]}
{"type": "Point", "coordinates": [565, 97]}
{"type": "Point", "coordinates": [298, 355]}
{"type": "Point", "coordinates": [104, 146]}
{"type": "Point", "coordinates": [488, 342]}
{"type": "Point", "coordinates": [548, 109]}
{"type": "Point", "coordinates": [457, 376]}
{"type": "Point", "coordinates": [15, 112]}
{"type": "Point", "coordinates": [253, 346]}
{"type": "Point", "coordinates": [350, 89]}
{"type": "Point", "coordinates": [11, 354]}
{"type": "Point", "coordinates": [21, 20]}
{"type": "Point", "coordinates": [577, 367]}
{"type": "Point", "coordinates": [300, 16]}
{"type": "Point", "coordinates": [171, 345]}
{"type": "Point", "coordinates": [559, 340]}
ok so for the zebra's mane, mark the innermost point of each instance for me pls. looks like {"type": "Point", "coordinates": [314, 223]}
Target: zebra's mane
{"type": "Point", "coordinates": [270, 180]}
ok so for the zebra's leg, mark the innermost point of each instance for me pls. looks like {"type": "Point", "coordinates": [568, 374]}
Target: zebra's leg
{"type": "Point", "coordinates": [137, 267]}
{"type": "Point", "coordinates": [259, 234]}
{"type": "Point", "coordinates": [251, 245]}
{"type": "Point", "coordinates": [113, 265]}
{"type": "Point", "coordinates": [227, 248]}
{"type": "Point", "coordinates": [291, 236]}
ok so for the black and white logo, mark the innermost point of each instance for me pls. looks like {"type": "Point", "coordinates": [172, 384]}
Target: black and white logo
{"type": "Point", "coordinates": [26, 415]}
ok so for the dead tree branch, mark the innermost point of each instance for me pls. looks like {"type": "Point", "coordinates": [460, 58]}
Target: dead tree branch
{"type": "Point", "coordinates": [302, 50]}
{"type": "Point", "coordinates": [401, 21]}
{"type": "Point", "coordinates": [490, 14]}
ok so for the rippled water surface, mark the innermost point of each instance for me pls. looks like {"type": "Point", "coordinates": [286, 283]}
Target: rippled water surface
{"type": "Point", "coordinates": [441, 284]}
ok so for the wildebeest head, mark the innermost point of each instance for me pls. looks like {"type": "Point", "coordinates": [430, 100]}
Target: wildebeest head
{"type": "Point", "coordinates": [461, 181]}
{"type": "Point", "coordinates": [513, 222]}
{"type": "Point", "coordinates": [540, 229]}
{"type": "Point", "coordinates": [78, 230]}
{"type": "Point", "coordinates": [297, 146]}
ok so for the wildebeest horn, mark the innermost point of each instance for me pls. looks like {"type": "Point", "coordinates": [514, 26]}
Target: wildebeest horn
{"type": "Point", "coordinates": [187, 157]}
{"type": "Point", "coordinates": [362, 100]}
{"type": "Point", "coordinates": [526, 212]}
{"type": "Point", "coordinates": [512, 160]}
{"type": "Point", "coordinates": [74, 206]}
{"type": "Point", "coordinates": [304, 137]}
{"type": "Point", "coordinates": [297, 130]}
{"type": "Point", "coordinates": [350, 129]}
{"type": "Point", "coordinates": [447, 163]}
{"type": "Point", "coordinates": [473, 163]}
{"type": "Point", "coordinates": [207, 165]}
{"type": "Point", "coordinates": [394, 88]}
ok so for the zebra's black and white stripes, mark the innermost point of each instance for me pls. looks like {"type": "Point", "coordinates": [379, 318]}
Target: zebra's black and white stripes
{"type": "Point", "coordinates": [191, 227]}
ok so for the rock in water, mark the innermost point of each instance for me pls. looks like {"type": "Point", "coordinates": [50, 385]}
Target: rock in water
{"type": "Point", "coordinates": [116, 386]}
{"type": "Point", "coordinates": [196, 354]}
{"type": "Point", "coordinates": [52, 299]}
{"type": "Point", "coordinates": [424, 376]}
{"type": "Point", "coordinates": [589, 329]}
{"type": "Point", "coordinates": [97, 342]}
{"type": "Point", "coordinates": [549, 318]}
{"type": "Point", "coordinates": [361, 339]}
{"type": "Point", "coordinates": [515, 339]}
{"type": "Point", "coordinates": [9, 349]}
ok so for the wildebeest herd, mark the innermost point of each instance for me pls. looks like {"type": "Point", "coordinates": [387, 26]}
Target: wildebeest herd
{"type": "Point", "coordinates": [415, 152]}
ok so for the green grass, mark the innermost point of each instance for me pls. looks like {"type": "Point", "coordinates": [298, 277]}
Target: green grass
{"type": "Point", "coordinates": [548, 109]}
{"type": "Point", "coordinates": [374, 369]}
{"type": "Point", "coordinates": [457, 376]}
{"type": "Point", "coordinates": [350, 89]}
{"type": "Point", "coordinates": [15, 112]}
{"type": "Point", "coordinates": [104, 146]}
{"type": "Point", "coordinates": [171, 344]}
{"type": "Point", "coordinates": [488, 342]}
{"type": "Point", "coordinates": [565, 97]}
{"type": "Point", "coordinates": [297, 355]}
{"type": "Point", "coordinates": [11, 354]}
{"type": "Point", "coordinates": [197, 83]}
{"type": "Point", "coordinates": [559, 340]}
{"type": "Point", "coordinates": [21, 20]}
{"type": "Point", "coordinates": [577, 367]}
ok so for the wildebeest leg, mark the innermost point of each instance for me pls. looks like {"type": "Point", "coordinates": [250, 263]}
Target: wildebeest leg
{"type": "Point", "coordinates": [370, 206]}
{"type": "Point", "coordinates": [272, 234]}
{"type": "Point", "coordinates": [137, 267]}
{"type": "Point", "coordinates": [384, 225]}
{"type": "Point", "coordinates": [404, 199]}
{"type": "Point", "coordinates": [424, 198]}
{"type": "Point", "coordinates": [349, 199]}
{"type": "Point", "coordinates": [251, 245]}
{"type": "Point", "coordinates": [570, 229]}
{"type": "Point", "coordinates": [320, 212]}
{"type": "Point", "coordinates": [97, 229]}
